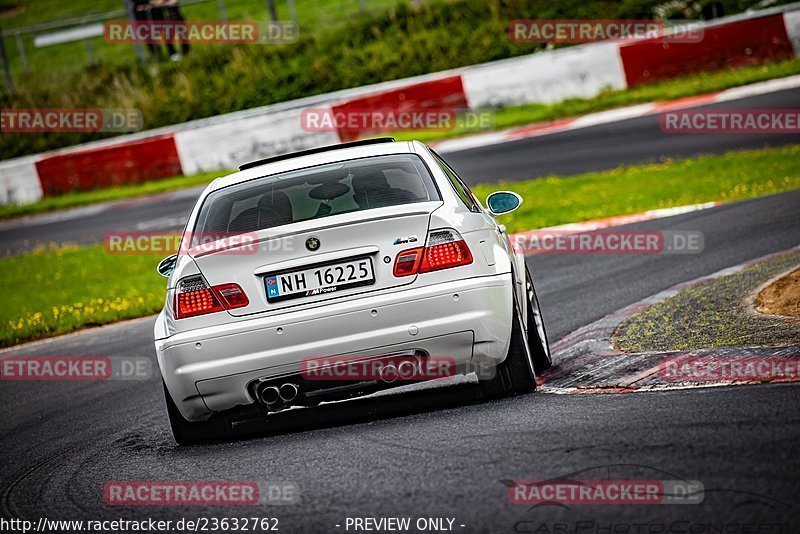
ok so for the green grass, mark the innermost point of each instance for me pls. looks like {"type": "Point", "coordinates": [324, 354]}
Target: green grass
{"type": "Point", "coordinates": [309, 12]}
{"type": "Point", "coordinates": [84, 198]}
{"type": "Point", "coordinates": [312, 15]}
{"type": "Point", "coordinates": [716, 313]}
{"type": "Point", "coordinates": [392, 41]}
{"type": "Point", "coordinates": [734, 176]}
{"type": "Point", "coordinates": [383, 44]}
{"type": "Point", "coordinates": [695, 84]}
{"type": "Point", "coordinates": [54, 291]}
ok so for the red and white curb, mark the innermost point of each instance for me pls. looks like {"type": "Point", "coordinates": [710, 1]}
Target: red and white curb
{"type": "Point", "coordinates": [614, 115]}
{"type": "Point", "coordinates": [586, 361]}
{"type": "Point", "coordinates": [582, 71]}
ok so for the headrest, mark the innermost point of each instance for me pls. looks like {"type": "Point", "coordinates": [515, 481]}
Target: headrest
{"type": "Point", "coordinates": [364, 179]}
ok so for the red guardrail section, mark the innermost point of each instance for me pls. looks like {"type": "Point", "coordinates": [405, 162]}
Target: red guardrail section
{"type": "Point", "coordinates": [134, 162]}
{"type": "Point", "coordinates": [441, 93]}
{"type": "Point", "coordinates": [734, 44]}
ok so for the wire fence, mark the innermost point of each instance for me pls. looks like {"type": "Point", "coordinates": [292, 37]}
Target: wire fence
{"type": "Point", "coordinates": [56, 44]}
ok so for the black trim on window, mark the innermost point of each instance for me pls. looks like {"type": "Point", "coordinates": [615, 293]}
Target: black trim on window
{"type": "Point", "coordinates": [462, 191]}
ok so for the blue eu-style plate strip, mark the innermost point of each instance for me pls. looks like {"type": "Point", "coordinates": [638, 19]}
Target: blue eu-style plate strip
{"type": "Point", "coordinates": [272, 286]}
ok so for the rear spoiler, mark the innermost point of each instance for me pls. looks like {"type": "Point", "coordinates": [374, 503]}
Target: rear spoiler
{"type": "Point", "coordinates": [290, 155]}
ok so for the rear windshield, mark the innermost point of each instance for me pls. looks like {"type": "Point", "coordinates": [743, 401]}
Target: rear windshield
{"type": "Point", "coordinates": [316, 192]}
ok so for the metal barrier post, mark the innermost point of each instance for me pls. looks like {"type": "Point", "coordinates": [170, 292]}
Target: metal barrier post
{"type": "Point", "coordinates": [273, 12]}
{"type": "Point", "coordinates": [6, 70]}
{"type": "Point", "coordinates": [223, 12]}
{"type": "Point", "coordinates": [90, 50]}
{"type": "Point", "coordinates": [21, 49]}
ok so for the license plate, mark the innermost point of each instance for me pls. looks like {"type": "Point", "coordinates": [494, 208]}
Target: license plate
{"type": "Point", "coordinates": [319, 280]}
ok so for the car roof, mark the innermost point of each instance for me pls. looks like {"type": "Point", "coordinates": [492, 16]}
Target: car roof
{"type": "Point", "coordinates": [312, 160]}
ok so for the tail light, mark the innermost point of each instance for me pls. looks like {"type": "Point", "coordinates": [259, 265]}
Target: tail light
{"type": "Point", "coordinates": [445, 249]}
{"type": "Point", "coordinates": [193, 297]}
{"type": "Point", "coordinates": [407, 262]}
{"type": "Point", "coordinates": [231, 295]}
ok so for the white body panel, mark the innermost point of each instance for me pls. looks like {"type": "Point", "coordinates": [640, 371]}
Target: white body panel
{"type": "Point", "coordinates": [462, 312]}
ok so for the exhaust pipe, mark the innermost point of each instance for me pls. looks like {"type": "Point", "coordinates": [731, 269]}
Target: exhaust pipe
{"type": "Point", "coordinates": [407, 370]}
{"type": "Point", "coordinates": [288, 392]}
{"type": "Point", "coordinates": [269, 396]}
{"type": "Point", "coordinates": [388, 373]}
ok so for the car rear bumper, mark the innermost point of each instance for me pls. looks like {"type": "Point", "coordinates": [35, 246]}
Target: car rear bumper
{"type": "Point", "coordinates": [208, 370]}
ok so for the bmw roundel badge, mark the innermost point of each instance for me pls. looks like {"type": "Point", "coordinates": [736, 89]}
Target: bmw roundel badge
{"type": "Point", "coordinates": [312, 243]}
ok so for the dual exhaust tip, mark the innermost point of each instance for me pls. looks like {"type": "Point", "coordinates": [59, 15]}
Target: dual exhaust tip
{"type": "Point", "coordinates": [274, 396]}
{"type": "Point", "coordinates": [406, 369]}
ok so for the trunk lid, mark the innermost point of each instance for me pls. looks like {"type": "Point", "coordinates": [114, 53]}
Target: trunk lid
{"type": "Point", "coordinates": [374, 234]}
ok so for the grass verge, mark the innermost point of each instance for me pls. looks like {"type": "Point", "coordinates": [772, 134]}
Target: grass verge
{"type": "Point", "coordinates": [685, 86]}
{"type": "Point", "coordinates": [55, 291]}
{"type": "Point", "coordinates": [716, 313]}
{"type": "Point", "coordinates": [733, 176]}
{"type": "Point", "coordinates": [84, 198]}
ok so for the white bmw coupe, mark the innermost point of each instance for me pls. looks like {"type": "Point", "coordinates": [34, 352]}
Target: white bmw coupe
{"type": "Point", "coordinates": [335, 272]}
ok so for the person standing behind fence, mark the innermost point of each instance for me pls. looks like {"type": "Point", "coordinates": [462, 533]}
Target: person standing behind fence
{"type": "Point", "coordinates": [142, 13]}
{"type": "Point", "coordinates": [169, 10]}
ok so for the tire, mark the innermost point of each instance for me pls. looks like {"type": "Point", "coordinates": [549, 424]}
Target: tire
{"type": "Point", "coordinates": [190, 433]}
{"type": "Point", "coordinates": [537, 334]}
{"type": "Point", "coordinates": [515, 375]}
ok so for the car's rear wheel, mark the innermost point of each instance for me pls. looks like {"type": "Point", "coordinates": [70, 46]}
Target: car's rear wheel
{"type": "Point", "coordinates": [516, 374]}
{"type": "Point", "coordinates": [537, 335]}
{"type": "Point", "coordinates": [188, 432]}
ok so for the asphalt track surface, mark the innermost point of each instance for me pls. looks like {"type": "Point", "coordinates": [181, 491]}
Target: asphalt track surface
{"type": "Point", "coordinates": [633, 141]}
{"type": "Point", "coordinates": [595, 148]}
{"type": "Point", "coordinates": [442, 451]}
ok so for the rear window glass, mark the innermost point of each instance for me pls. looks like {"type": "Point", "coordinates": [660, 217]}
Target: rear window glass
{"type": "Point", "coordinates": [316, 192]}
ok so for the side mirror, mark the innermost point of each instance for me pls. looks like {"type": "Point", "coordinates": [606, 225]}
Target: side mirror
{"type": "Point", "coordinates": [501, 202]}
{"type": "Point", "coordinates": [167, 265]}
